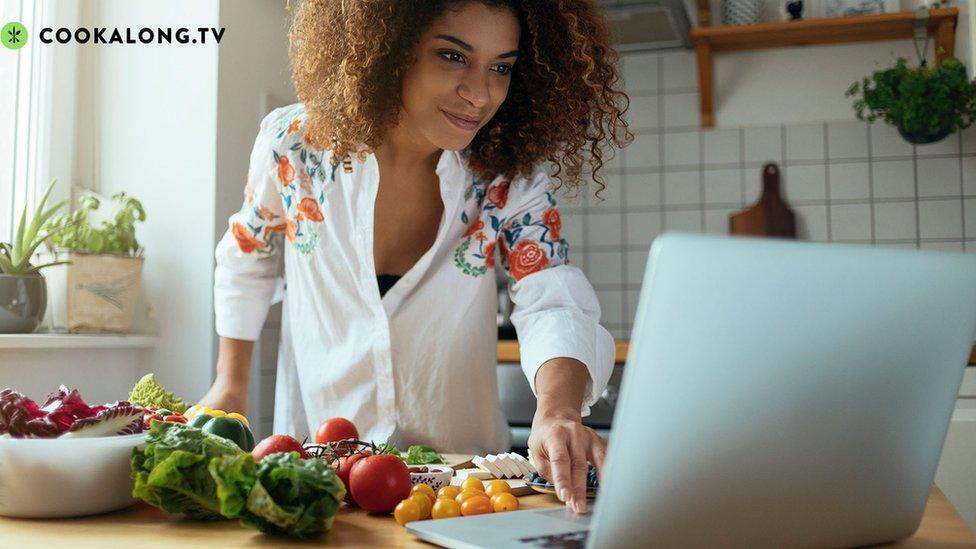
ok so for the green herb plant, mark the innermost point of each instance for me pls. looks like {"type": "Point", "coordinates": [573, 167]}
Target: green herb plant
{"type": "Point", "coordinates": [15, 257]}
{"type": "Point", "coordinates": [115, 236]}
{"type": "Point", "coordinates": [926, 103]}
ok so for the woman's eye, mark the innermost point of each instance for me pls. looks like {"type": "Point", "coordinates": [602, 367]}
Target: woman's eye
{"type": "Point", "coordinates": [452, 56]}
{"type": "Point", "coordinates": [504, 69]}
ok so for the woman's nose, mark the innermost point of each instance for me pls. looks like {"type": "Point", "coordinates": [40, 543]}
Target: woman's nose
{"type": "Point", "coordinates": [474, 89]}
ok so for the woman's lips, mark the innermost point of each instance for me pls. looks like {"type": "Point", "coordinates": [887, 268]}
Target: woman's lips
{"type": "Point", "coordinates": [462, 123]}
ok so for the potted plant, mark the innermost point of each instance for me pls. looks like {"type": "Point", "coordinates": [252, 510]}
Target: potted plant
{"type": "Point", "coordinates": [925, 103]}
{"type": "Point", "coordinates": [97, 291]}
{"type": "Point", "coordinates": [23, 291]}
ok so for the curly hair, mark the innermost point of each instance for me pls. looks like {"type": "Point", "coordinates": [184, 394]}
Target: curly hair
{"type": "Point", "coordinates": [349, 58]}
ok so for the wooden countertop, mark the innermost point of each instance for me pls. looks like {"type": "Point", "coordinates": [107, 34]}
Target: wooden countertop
{"type": "Point", "coordinates": [147, 527]}
{"type": "Point", "coordinates": [508, 351]}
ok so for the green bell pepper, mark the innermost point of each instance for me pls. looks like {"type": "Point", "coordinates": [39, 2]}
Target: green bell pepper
{"type": "Point", "coordinates": [225, 427]}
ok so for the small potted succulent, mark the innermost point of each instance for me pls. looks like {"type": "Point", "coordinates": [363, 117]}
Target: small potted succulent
{"type": "Point", "coordinates": [97, 291]}
{"type": "Point", "coordinates": [23, 290]}
{"type": "Point", "coordinates": [925, 103]}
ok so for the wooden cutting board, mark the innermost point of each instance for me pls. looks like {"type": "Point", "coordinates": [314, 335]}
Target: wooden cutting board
{"type": "Point", "coordinates": [770, 215]}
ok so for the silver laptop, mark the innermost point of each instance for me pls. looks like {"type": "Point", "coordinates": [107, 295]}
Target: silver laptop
{"type": "Point", "coordinates": [776, 394]}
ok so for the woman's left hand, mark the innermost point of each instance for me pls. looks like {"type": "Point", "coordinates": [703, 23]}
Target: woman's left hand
{"type": "Point", "coordinates": [561, 446]}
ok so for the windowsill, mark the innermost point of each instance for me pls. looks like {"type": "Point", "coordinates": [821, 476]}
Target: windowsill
{"type": "Point", "coordinates": [77, 341]}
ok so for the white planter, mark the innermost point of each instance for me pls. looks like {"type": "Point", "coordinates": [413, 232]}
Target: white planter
{"type": "Point", "coordinates": [95, 293]}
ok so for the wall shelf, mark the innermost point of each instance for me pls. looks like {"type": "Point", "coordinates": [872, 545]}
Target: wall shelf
{"type": "Point", "coordinates": [709, 40]}
{"type": "Point", "coordinates": [47, 341]}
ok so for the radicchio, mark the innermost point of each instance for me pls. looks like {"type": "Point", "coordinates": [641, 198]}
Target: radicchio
{"type": "Point", "coordinates": [21, 417]}
{"type": "Point", "coordinates": [65, 413]}
{"type": "Point", "coordinates": [121, 418]}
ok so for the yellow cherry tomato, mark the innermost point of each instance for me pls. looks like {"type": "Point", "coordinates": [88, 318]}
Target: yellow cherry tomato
{"type": "Point", "coordinates": [448, 492]}
{"type": "Point", "coordinates": [191, 411]}
{"type": "Point", "coordinates": [445, 508]}
{"type": "Point", "coordinates": [497, 486]}
{"type": "Point", "coordinates": [505, 501]}
{"type": "Point", "coordinates": [466, 494]}
{"type": "Point", "coordinates": [406, 511]}
{"type": "Point", "coordinates": [423, 502]}
{"type": "Point", "coordinates": [424, 489]}
{"type": "Point", "coordinates": [477, 505]}
{"type": "Point", "coordinates": [215, 413]}
{"type": "Point", "coordinates": [472, 483]}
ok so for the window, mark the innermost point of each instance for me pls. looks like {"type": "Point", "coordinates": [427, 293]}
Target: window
{"type": "Point", "coordinates": [24, 108]}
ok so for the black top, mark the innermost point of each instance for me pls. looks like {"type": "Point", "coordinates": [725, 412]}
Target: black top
{"type": "Point", "coordinates": [385, 282]}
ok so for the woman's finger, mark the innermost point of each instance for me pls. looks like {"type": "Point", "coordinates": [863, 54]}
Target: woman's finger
{"type": "Point", "coordinates": [561, 465]}
{"type": "Point", "coordinates": [578, 446]}
{"type": "Point", "coordinates": [597, 454]}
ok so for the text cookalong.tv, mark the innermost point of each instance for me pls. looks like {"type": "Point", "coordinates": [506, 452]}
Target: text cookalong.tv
{"type": "Point", "coordinates": [143, 35]}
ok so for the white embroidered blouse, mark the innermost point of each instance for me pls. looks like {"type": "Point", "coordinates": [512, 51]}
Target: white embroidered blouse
{"type": "Point", "coordinates": [416, 365]}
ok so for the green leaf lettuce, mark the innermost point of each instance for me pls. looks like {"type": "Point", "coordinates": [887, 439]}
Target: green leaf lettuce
{"type": "Point", "coordinates": [281, 494]}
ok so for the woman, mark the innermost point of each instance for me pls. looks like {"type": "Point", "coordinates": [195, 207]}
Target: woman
{"type": "Point", "coordinates": [418, 148]}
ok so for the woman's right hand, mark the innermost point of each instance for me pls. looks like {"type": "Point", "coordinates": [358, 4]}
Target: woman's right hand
{"type": "Point", "coordinates": [226, 397]}
{"type": "Point", "coordinates": [229, 390]}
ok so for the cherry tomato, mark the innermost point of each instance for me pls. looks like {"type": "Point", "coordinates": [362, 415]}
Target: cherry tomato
{"type": "Point", "coordinates": [378, 483]}
{"type": "Point", "coordinates": [477, 505]}
{"type": "Point", "coordinates": [343, 469]}
{"type": "Point", "coordinates": [497, 486]}
{"type": "Point", "coordinates": [445, 508]}
{"type": "Point", "coordinates": [275, 444]}
{"type": "Point", "coordinates": [504, 501]}
{"type": "Point", "coordinates": [448, 492]}
{"type": "Point", "coordinates": [472, 483]}
{"type": "Point", "coordinates": [424, 489]}
{"type": "Point", "coordinates": [467, 494]}
{"type": "Point", "coordinates": [423, 502]}
{"type": "Point", "coordinates": [337, 428]}
{"type": "Point", "coordinates": [406, 511]}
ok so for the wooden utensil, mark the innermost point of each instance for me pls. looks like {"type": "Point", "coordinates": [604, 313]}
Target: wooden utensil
{"type": "Point", "coordinates": [770, 215]}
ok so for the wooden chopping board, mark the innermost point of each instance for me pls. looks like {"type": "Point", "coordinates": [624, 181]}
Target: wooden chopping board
{"type": "Point", "coordinates": [770, 215]}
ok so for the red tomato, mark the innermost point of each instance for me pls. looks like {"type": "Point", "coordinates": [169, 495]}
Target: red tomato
{"type": "Point", "coordinates": [275, 444]}
{"type": "Point", "coordinates": [379, 483]}
{"type": "Point", "coordinates": [337, 428]}
{"type": "Point", "coordinates": [343, 468]}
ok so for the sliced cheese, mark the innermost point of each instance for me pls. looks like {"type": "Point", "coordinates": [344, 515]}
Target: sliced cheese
{"type": "Point", "coordinates": [479, 474]}
{"type": "Point", "coordinates": [527, 462]}
{"type": "Point", "coordinates": [508, 465]}
{"type": "Point", "coordinates": [495, 464]}
{"type": "Point", "coordinates": [488, 465]}
{"type": "Point", "coordinates": [521, 463]}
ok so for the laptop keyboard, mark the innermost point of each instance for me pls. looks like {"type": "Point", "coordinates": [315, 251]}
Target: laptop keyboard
{"type": "Point", "coordinates": [576, 540]}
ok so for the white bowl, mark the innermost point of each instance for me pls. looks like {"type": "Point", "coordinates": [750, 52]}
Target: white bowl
{"type": "Point", "coordinates": [437, 477]}
{"type": "Point", "coordinates": [66, 477]}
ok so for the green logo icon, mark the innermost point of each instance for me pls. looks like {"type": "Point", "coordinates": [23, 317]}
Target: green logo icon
{"type": "Point", "coordinates": [13, 35]}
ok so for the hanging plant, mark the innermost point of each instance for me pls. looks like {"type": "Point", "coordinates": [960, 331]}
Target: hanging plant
{"type": "Point", "coordinates": [925, 103]}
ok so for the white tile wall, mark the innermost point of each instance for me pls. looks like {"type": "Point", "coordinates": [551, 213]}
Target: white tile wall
{"type": "Point", "coordinates": [846, 181]}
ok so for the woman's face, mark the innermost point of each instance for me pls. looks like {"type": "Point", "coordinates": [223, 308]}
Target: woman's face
{"type": "Point", "coordinates": [461, 75]}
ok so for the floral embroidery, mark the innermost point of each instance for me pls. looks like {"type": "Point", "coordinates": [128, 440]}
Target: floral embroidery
{"type": "Point", "coordinates": [533, 243]}
{"type": "Point", "coordinates": [310, 209]}
{"type": "Point", "coordinates": [470, 256]}
{"type": "Point", "coordinates": [301, 175]}
{"type": "Point", "coordinates": [245, 240]}
{"type": "Point", "coordinates": [525, 259]}
{"type": "Point", "coordinates": [527, 244]}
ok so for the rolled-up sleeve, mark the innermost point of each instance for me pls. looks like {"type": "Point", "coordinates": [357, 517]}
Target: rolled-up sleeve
{"type": "Point", "coordinates": [248, 257]}
{"type": "Point", "coordinates": [555, 310]}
